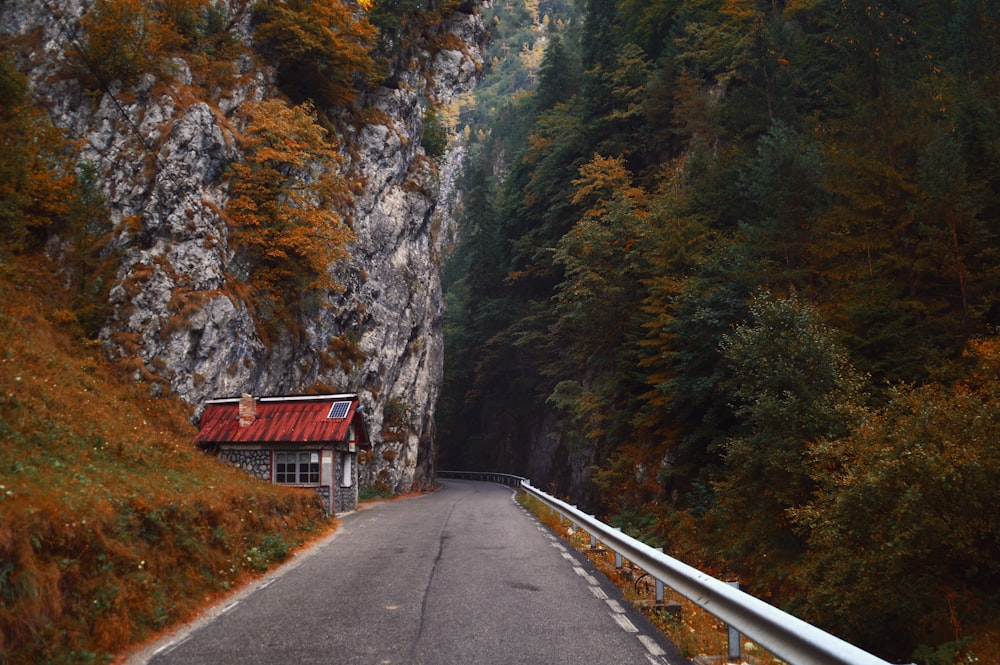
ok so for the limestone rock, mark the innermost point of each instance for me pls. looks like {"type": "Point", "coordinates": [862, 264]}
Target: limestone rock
{"type": "Point", "coordinates": [162, 158]}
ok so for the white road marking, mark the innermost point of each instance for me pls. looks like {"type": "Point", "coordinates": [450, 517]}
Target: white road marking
{"type": "Point", "coordinates": [170, 646]}
{"type": "Point", "coordinates": [652, 647]}
{"type": "Point", "coordinates": [624, 623]}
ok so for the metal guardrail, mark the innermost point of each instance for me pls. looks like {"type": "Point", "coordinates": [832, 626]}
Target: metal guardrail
{"type": "Point", "coordinates": [786, 636]}
{"type": "Point", "coordinates": [503, 478]}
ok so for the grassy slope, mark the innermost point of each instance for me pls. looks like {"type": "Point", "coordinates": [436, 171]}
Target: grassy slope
{"type": "Point", "coordinates": [112, 525]}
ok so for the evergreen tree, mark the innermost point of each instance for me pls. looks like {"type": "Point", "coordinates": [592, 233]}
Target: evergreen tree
{"type": "Point", "coordinates": [558, 79]}
{"type": "Point", "coordinates": [842, 155]}
{"type": "Point", "coordinates": [783, 185]}
{"type": "Point", "coordinates": [796, 389]}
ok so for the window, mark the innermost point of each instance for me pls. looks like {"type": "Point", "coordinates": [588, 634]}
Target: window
{"type": "Point", "coordinates": [347, 477]}
{"type": "Point", "coordinates": [298, 468]}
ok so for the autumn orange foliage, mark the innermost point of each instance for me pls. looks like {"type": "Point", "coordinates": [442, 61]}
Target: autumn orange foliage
{"type": "Point", "coordinates": [125, 39]}
{"type": "Point", "coordinates": [283, 211]}
{"type": "Point", "coordinates": [36, 177]}
{"type": "Point", "coordinates": [322, 49]}
{"type": "Point", "coordinates": [112, 525]}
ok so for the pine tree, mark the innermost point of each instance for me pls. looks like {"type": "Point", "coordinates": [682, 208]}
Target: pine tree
{"type": "Point", "coordinates": [558, 79]}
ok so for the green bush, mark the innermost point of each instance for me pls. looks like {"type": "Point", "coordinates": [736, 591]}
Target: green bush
{"type": "Point", "coordinates": [435, 138]}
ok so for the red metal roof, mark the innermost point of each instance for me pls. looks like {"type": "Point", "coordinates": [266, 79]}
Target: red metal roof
{"type": "Point", "coordinates": [282, 420]}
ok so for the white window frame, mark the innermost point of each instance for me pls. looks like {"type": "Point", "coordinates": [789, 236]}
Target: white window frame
{"type": "Point", "coordinates": [305, 467]}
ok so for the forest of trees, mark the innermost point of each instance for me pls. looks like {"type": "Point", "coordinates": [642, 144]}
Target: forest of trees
{"type": "Point", "coordinates": [741, 256]}
{"type": "Point", "coordinates": [745, 256]}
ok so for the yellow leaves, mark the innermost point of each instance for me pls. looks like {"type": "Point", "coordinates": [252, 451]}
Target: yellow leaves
{"type": "Point", "coordinates": [322, 48]}
{"type": "Point", "coordinates": [795, 7]}
{"type": "Point", "coordinates": [601, 178]}
{"type": "Point", "coordinates": [539, 143]}
{"type": "Point", "coordinates": [606, 179]}
{"type": "Point", "coordinates": [985, 354]}
{"type": "Point", "coordinates": [37, 183]}
{"type": "Point", "coordinates": [125, 39]}
{"type": "Point", "coordinates": [283, 207]}
{"type": "Point", "coordinates": [742, 10]}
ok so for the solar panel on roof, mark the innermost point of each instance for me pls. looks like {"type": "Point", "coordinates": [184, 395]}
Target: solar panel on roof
{"type": "Point", "coordinates": [339, 410]}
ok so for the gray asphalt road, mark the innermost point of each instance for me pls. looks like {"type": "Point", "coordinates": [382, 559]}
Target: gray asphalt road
{"type": "Point", "coordinates": [460, 576]}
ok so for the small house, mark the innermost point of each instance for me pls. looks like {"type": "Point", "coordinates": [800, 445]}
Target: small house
{"type": "Point", "coordinates": [307, 441]}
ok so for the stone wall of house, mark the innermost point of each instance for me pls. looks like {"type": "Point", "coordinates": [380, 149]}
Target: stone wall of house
{"type": "Point", "coordinates": [345, 498]}
{"type": "Point", "coordinates": [324, 494]}
{"type": "Point", "coordinates": [258, 463]}
{"type": "Point", "coordinates": [255, 462]}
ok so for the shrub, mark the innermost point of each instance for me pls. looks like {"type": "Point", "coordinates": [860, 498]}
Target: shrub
{"type": "Point", "coordinates": [435, 138]}
{"type": "Point", "coordinates": [36, 177]}
{"type": "Point", "coordinates": [283, 211]}
{"type": "Point", "coordinates": [124, 40]}
{"type": "Point", "coordinates": [199, 26]}
{"type": "Point", "coordinates": [322, 50]}
{"type": "Point", "coordinates": [906, 504]}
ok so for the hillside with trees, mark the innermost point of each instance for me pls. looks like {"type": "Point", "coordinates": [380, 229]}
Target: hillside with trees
{"type": "Point", "coordinates": [728, 274]}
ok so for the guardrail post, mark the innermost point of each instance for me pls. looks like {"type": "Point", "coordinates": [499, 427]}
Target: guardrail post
{"type": "Point", "coordinates": [659, 583]}
{"type": "Point", "coordinates": [618, 557]}
{"type": "Point", "coordinates": [735, 647]}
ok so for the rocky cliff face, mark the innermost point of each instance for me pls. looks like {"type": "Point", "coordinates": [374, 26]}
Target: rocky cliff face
{"type": "Point", "coordinates": [161, 149]}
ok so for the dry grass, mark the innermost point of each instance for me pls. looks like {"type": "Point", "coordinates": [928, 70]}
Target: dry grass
{"type": "Point", "coordinates": [696, 633]}
{"type": "Point", "coordinates": [112, 525]}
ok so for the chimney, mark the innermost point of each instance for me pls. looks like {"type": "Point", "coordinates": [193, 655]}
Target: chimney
{"type": "Point", "coordinates": [248, 410]}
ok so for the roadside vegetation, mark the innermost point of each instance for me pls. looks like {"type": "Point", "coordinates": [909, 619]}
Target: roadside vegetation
{"type": "Point", "coordinates": [694, 632]}
{"type": "Point", "coordinates": [112, 525]}
{"type": "Point", "coordinates": [738, 260]}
